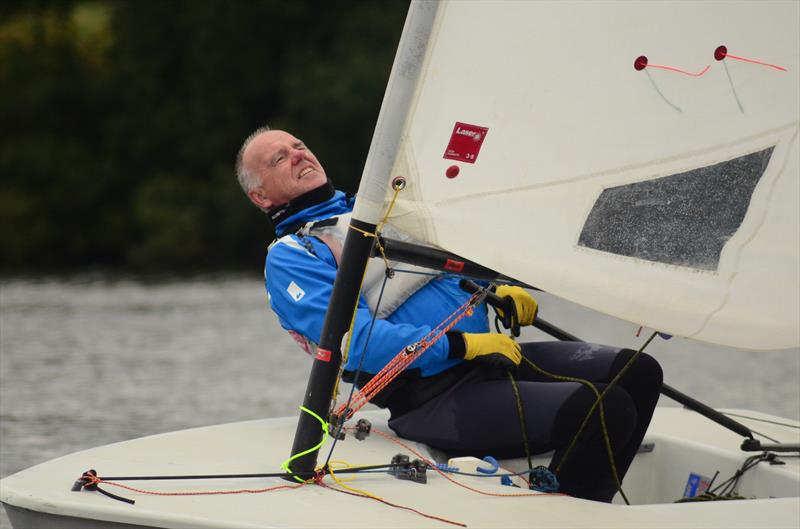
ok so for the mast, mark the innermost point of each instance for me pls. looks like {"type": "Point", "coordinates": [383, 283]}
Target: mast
{"type": "Point", "coordinates": [357, 248]}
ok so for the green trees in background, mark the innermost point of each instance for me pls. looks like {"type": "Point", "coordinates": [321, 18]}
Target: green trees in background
{"type": "Point", "coordinates": [120, 121]}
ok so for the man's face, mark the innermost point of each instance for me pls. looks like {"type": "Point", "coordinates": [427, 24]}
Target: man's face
{"type": "Point", "coordinates": [285, 168]}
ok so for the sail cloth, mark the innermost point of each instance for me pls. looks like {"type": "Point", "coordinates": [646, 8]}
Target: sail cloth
{"type": "Point", "coordinates": [637, 158]}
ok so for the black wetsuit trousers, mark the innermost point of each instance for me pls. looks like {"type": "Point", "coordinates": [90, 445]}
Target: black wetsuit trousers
{"type": "Point", "coordinates": [479, 415]}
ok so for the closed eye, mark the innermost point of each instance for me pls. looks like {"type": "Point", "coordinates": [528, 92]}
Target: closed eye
{"type": "Point", "coordinates": [278, 157]}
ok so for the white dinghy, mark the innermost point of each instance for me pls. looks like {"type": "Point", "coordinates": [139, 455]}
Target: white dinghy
{"type": "Point", "coordinates": [640, 159]}
{"type": "Point", "coordinates": [681, 444]}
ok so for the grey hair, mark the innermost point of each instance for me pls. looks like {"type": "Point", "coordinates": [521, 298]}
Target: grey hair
{"type": "Point", "coordinates": [245, 176]}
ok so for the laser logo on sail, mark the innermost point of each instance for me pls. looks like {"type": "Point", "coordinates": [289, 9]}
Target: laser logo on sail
{"type": "Point", "coordinates": [465, 142]}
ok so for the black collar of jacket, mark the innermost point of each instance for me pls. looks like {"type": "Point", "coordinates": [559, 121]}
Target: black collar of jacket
{"type": "Point", "coordinates": [308, 199]}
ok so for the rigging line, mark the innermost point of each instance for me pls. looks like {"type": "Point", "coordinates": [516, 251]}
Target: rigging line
{"type": "Point", "coordinates": [658, 90]}
{"type": "Point", "coordinates": [767, 437]}
{"type": "Point", "coordinates": [521, 414]}
{"type": "Point", "coordinates": [796, 427]}
{"type": "Point", "coordinates": [382, 222]}
{"type": "Point", "coordinates": [358, 370]}
{"type": "Point", "coordinates": [733, 88]}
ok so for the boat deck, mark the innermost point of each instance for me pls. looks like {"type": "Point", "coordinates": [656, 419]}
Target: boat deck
{"type": "Point", "coordinates": [683, 443]}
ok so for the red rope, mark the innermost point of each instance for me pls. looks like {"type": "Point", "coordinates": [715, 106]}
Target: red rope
{"type": "Point", "coordinates": [91, 479]}
{"type": "Point", "coordinates": [754, 62]}
{"type": "Point", "coordinates": [670, 68]}
{"type": "Point", "coordinates": [411, 509]}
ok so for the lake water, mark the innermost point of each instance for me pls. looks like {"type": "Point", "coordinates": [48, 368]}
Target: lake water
{"type": "Point", "coordinates": [90, 361]}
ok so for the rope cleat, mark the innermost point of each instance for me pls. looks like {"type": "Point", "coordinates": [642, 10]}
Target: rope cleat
{"type": "Point", "coordinates": [336, 425]}
{"type": "Point", "coordinates": [542, 480]}
{"type": "Point", "coordinates": [363, 428]}
{"type": "Point", "coordinates": [415, 470]}
{"type": "Point", "coordinates": [88, 481]}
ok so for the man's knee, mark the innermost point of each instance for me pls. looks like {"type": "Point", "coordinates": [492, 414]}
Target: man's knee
{"type": "Point", "coordinates": [618, 409]}
{"type": "Point", "coordinates": [644, 368]}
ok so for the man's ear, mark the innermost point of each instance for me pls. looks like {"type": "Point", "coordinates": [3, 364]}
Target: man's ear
{"type": "Point", "coordinates": [260, 199]}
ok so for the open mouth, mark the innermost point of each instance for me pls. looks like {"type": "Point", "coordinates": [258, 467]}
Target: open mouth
{"type": "Point", "coordinates": [304, 172]}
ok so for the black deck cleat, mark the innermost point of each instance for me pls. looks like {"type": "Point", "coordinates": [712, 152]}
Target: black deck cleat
{"type": "Point", "coordinates": [363, 428]}
{"type": "Point", "coordinates": [415, 471]}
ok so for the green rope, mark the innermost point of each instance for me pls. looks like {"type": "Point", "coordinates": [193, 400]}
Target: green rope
{"type": "Point", "coordinates": [324, 425]}
{"type": "Point", "coordinates": [599, 402]}
{"type": "Point", "coordinates": [521, 414]}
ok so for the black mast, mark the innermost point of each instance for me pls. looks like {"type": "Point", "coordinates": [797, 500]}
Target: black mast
{"type": "Point", "coordinates": [358, 245]}
{"type": "Point", "coordinates": [328, 358]}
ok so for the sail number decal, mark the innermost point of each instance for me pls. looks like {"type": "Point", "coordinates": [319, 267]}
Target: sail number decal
{"type": "Point", "coordinates": [465, 142]}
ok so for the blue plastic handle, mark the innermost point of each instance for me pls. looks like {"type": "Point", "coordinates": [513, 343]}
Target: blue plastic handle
{"type": "Point", "coordinates": [492, 461]}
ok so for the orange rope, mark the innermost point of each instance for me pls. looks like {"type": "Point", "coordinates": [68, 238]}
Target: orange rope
{"type": "Point", "coordinates": [403, 359]}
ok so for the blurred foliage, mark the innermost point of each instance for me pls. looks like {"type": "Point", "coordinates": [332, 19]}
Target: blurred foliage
{"type": "Point", "coordinates": [120, 121]}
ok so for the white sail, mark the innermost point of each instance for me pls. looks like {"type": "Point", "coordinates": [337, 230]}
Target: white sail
{"type": "Point", "coordinates": [621, 183]}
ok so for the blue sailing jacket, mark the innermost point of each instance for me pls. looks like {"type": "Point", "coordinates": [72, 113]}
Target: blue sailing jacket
{"type": "Point", "coordinates": [299, 275]}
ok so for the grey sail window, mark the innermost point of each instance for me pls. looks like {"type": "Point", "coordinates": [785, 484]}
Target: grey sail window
{"type": "Point", "coordinates": [683, 219]}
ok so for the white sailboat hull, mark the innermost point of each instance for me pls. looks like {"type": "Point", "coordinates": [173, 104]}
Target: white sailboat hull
{"type": "Point", "coordinates": [683, 443]}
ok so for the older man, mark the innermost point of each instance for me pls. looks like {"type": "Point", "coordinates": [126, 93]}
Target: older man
{"type": "Point", "coordinates": [453, 397]}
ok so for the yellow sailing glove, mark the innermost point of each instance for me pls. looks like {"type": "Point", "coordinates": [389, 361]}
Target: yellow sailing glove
{"type": "Point", "coordinates": [496, 349]}
{"type": "Point", "coordinates": [524, 302]}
